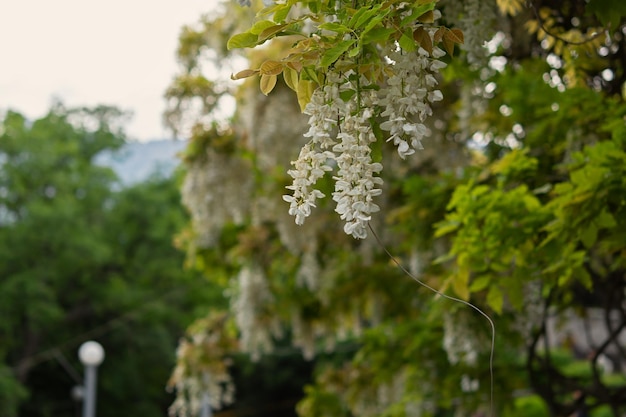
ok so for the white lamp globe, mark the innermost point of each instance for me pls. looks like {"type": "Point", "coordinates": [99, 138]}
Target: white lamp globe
{"type": "Point", "coordinates": [91, 353]}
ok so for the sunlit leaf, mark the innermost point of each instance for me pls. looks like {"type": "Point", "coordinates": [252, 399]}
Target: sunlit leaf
{"type": "Point", "coordinates": [242, 40]}
{"type": "Point", "coordinates": [271, 31]}
{"type": "Point", "coordinates": [260, 26]}
{"type": "Point", "coordinates": [305, 91]}
{"type": "Point", "coordinates": [291, 77]}
{"type": "Point", "coordinates": [244, 74]}
{"type": "Point", "coordinates": [268, 82]}
{"type": "Point", "coordinates": [271, 68]}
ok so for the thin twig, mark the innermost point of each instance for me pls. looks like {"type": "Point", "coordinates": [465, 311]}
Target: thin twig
{"type": "Point", "coordinates": [559, 37]}
{"type": "Point", "coordinates": [458, 300]}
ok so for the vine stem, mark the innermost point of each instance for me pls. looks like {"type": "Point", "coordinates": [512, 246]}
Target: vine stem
{"type": "Point", "coordinates": [458, 300]}
{"type": "Point", "coordinates": [559, 37]}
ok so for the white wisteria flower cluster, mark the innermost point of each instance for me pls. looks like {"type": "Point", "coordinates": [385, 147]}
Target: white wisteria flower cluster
{"type": "Point", "coordinates": [340, 135]}
{"type": "Point", "coordinates": [342, 115]}
{"type": "Point", "coordinates": [410, 91]}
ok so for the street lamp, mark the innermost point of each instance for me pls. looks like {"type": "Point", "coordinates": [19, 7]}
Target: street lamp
{"type": "Point", "coordinates": [91, 354]}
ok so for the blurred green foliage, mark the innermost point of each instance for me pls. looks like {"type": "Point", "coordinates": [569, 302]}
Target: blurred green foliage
{"type": "Point", "coordinates": [82, 257]}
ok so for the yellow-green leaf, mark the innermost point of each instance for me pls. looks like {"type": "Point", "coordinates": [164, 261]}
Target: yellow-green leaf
{"type": "Point", "coordinates": [445, 227]}
{"type": "Point", "coordinates": [291, 78]}
{"type": "Point", "coordinates": [460, 287]}
{"type": "Point", "coordinates": [271, 31]}
{"type": "Point", "coordinates": [271, 68]}
{"type": "Point", "coordinates": [260, 26]}
{"type": "Point", "coordinates": [480, 283]}
{"type": "Point", "coordinates": [495, 300]}
{"type": "Point", "coordinates": [407, 42]}
{"type": "Point", "coordinates": [268, 82]}
{"type": "Point", "coordinates": [242, 40]}
{"type": "Point", "coordinates": [244, 74]}
{"type": "Point", "coordinates": [305, 91]}
{"type": "Point", "coordinates": [460, 281]}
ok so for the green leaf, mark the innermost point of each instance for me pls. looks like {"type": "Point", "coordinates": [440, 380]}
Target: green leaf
{"type": "Point", "coordinates": [495, 300]}
{"type": "Point", "coordinates": [334, 27]}
{"type": "Point", "coordinates": [346, 95]}
{"type": "Point", "coordinates": [407, 42]}
{"type": "Point", "coordinates": [416, 13]}
{"type": "Point", "coordinates": [606, 220]}
{"type": "Point", "coordinates": [362, 16]}
{"type": "Point", "coordinates": [356, 20]}
{"type": "Point", "coordinates": [609, 12]}
{"type": "Point", "coordinates": [331, 55]}
{"type": "Point", "coordinates": [242, 40]}
{"type": "Point", "coordinates": [480, 283]}
{"type": "Point", "coordinates": [260, 26]}
{"type": "Point", "coordinates": [311, 74]}
{"type": "Point", "coordinates": [589, 235]}
{"type": "Point", "coordinates": [445, 227]}
{"type": "Point", "coordinates": [355, 51]}
{"type": "Point", "coordinates": [378, 34]}
{"type": "Point", "coordinates": [443, 258]}
{"type": "Point", "coordinates": [280, 12]}
{"type": "Point", "coordinates": [374, 21]}
{"type": "Point", "coordinates": [460, 281]}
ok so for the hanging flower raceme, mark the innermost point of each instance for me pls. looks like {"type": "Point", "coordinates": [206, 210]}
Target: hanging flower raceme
{"type": "Point", "coordinates": [356, 183]}
{"type": "Point", "coordinates": [408, 95]}
{"type": "Point", "coordinates": [309, 167]}
{"type": "Point", "coordinates": [341, 133]}
{"type": "Point", "coordinates": [354, 70]}
{"type": "Point", "coordinates": [339, 138]}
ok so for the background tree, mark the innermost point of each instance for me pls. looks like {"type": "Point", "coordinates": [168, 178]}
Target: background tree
{"type": "Point", "coordinates": [515, 204]}
{"type": "Point", "coordinates": [82, 257]}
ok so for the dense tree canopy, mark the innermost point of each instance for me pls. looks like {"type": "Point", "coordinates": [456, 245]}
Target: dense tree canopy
{"type": "Point", "coordinates": [83, 258]}
{"type": "Point", "coordinates": [516, 203]}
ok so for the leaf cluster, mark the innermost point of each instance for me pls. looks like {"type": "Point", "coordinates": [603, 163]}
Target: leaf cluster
{"type": "Point", "coordinates": [344, 38]}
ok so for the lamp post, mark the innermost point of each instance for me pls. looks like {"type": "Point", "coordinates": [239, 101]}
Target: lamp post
{"type": "Point", "coordinates": [91, 354]}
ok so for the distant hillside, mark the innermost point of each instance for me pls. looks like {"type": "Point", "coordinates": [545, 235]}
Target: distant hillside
{"type": "Point", "coordinates": [137, 161]}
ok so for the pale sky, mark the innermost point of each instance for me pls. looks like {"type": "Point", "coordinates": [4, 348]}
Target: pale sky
{"type": "Point", "coordinates": [86, 52]}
